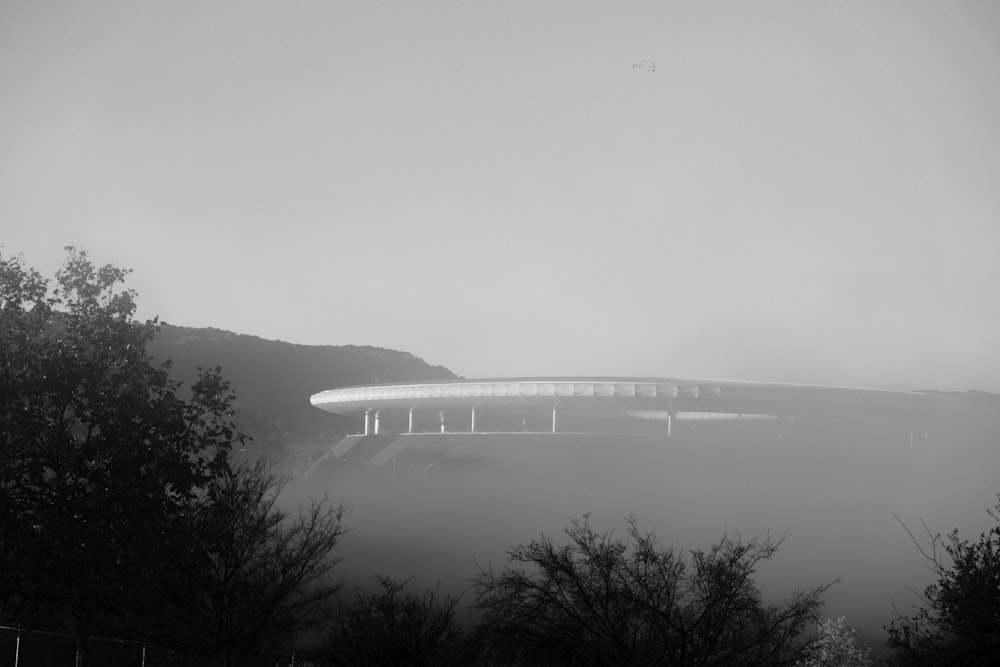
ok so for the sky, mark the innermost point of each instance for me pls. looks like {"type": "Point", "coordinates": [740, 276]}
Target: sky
{"type": "Point", "coordinates": [775, 191]}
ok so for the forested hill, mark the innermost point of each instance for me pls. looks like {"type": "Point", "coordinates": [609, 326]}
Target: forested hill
{"type": "Point", "coordinates": [273, 381]}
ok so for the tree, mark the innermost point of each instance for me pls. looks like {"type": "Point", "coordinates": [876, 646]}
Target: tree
{"type": "Point", "coordinates": [244, 572]}
{"type": "Point", "coordinates": [393, 627]}
{"type": "Point", "coordinates": [118, 501]}
{"type": "Point", "coordinates": [959, 620]}
{"type": "Point", "coordinates": [599, 599]}
{"type": "Point", "coordinates": [98, 447]}
{"type": "Point", "coordinates": [837, 645]}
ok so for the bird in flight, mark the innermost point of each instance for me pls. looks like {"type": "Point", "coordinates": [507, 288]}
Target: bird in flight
{"type": "Point", "coordinates": [650, 66]}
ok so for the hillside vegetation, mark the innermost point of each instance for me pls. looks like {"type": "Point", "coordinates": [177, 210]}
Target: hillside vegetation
{"type": "Point", "coordinates": [273, 381]}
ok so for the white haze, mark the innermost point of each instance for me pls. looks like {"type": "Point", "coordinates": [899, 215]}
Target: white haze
{"type": "Point", "coordinates": [449, 503]}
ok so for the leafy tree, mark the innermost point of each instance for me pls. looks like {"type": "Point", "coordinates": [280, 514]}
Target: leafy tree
{"type": "Point", "coordinates": [96, 443]}
{"type": "Point", "coordinates": [118, 501]}
{"type": "Point", "coordinates": [599, 599]}
{"type": "Point", "coordinates": [98, 447]}
{"type": "Point", "coordinates": [959, 621]}
{"type": "Point", "coordinates": [837, 645]}
{"type": "Point", "coordinates": [393, 627]}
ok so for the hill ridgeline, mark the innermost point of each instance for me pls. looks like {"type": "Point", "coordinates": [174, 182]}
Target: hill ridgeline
{"type": "Point", "coordinates": [273, 381]}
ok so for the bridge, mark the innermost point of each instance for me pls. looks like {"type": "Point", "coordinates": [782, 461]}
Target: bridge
{"type": "Point", "coordinates": [581, 404]}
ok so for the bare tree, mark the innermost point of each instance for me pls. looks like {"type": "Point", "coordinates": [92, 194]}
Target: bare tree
{"type": "Point", "coordinates": [244, 573]}
{"type": "Point", "coordinates": [600, 600]}
{"type": "Point", "coordinates": [391, 626]}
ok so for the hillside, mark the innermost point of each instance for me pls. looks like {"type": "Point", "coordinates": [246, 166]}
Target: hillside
{"type": "Point", "coordinates": [273, 381]}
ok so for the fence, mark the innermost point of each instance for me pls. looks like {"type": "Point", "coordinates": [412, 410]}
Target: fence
{"type": "Point", "coordinates": [28, 647]}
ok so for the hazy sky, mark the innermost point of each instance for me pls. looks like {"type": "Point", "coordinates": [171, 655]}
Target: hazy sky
{"type": "Point", "coordinates": [796, 191]}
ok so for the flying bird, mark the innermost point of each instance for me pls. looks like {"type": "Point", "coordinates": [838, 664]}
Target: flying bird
{"type": "Point", "coordinates": [650, 66]}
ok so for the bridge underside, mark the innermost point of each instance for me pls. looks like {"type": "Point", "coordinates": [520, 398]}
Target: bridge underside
{"type": "Point", "coordinates": [532, 418]}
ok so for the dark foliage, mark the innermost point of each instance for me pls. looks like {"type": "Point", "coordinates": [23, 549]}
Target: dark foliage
{"type": "Point", "coordinates": [120, 509]}
{"type": "Point", "coordinates": [96, 443]}
{"type": "Point", "coordinates": [393, 627]}
{"type": "Point", "coordinates": [959, 621]}
{"type": "Point", "coordinates": [245, 575]}
{"type": "Point", "coordinates": [600, 600]}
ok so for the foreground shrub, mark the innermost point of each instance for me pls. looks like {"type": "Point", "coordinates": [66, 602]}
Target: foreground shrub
{"type": "Point", "coordinates": [599, 599]}
{"type": "Point", "coordinates": [959, 620]}
{"type": "Point", "coordinates": [391, 626]}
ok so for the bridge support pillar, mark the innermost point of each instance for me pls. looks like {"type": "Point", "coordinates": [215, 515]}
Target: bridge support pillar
{"type": "Point", "coordinates": [441, 417]}
{"type": "Point", "coordinates": [555, 419]}
{"type": "Point", "coordinates": [410, 427]}
{"type": "Point", "coordinates": [378, 425]}
{"type": "Point", "coordinates": [368, 421]}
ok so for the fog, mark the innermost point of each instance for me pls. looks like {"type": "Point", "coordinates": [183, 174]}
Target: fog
{"type": "Point", "coordinates": [447, 504]}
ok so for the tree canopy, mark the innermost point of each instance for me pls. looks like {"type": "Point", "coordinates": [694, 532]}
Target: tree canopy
{"type": "Point", "coordinates": [958, 622]}
{"type": "Point", "coordinates": [108, 467]}
{"type": "Point", "coordinates": [96, 442]}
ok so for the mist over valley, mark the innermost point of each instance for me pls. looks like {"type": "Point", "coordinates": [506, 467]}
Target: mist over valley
{"type": "Point", "coordinates": [437, 507]}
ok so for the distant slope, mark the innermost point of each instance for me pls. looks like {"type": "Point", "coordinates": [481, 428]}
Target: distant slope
{"type": "Point", "coordinates": [273, 381]}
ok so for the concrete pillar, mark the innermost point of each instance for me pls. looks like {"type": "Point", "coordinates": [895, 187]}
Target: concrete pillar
{"type": "Point", "coordinates": [441, 416]}
{"type": "Point", "coordinates": [555, 418]}
{"type": "Point", "coordinates": [368, 421]}
{"type": "Point", "coordinates": [410, 428]}
{"type": "Point", "coordinates": [473, 428]}
{"type": "Point", "coordinates": [670, 422]}
{"type": "Point", "coordinates": [377, 421]}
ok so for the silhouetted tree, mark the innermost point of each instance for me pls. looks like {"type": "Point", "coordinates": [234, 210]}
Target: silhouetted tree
{"type": "Point", "coordinates": [393, 627]}
{"type": "Point", "coordinates": [606, 601]}
{"type": "Point", "coordinates": [98, 447]}
{"type": "Point", "coordinates": [959, 621]}
{"type": "Point", "coordinates": [244, 573]}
